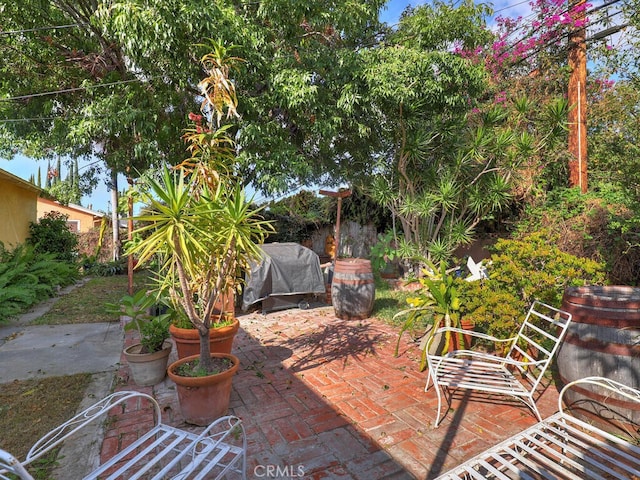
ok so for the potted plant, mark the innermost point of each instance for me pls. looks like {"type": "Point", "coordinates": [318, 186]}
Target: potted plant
{"type": "Point", "coordinates": [437, 304]}
{"type": "Point", "coordinates": [204, 230]}
{"type": "Point", "coordinates": [385, 259]}
{"type": "Point", "coordinates": [147, 359]}
{"type": "Point", "coordinates": [221, 333]}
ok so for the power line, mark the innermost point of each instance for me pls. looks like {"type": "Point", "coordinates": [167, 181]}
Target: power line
{"type": "Point", "coordinates": [34, 119]}
{"type": "Point", "coordinates": [561, 12]}
{"type": "Point", "coordinates": [508, 7]}
{"type": "Point", "coordinates": [67, 90]}
{"type": "Point", "coordinates": [557, 38]}
{"type": "Point", "coordinates": [39, 29]}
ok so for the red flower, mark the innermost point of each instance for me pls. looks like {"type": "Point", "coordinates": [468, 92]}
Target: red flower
{"type": "Point", "coordinates": [195, 117]}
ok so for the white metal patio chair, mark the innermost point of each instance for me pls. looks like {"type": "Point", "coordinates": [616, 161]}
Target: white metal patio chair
{"type": "Point", "coordinates": [517, 374]}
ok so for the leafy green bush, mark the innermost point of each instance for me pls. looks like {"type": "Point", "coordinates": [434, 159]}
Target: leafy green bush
{"type": "Point", "coordinates": [27, 277]}
{"type": "Point", "coordinates": [384, 253]}
{"type": "Point", "coordinates": [602, 225]}
{"type": "Point", "coordinates": [52, 235]}
{"type": "Point", "coordinates": [520, 272]}
{"type": "Point", "coordinates": [104, 269]}
{"type": "Point", "coordinates": [153, 330]}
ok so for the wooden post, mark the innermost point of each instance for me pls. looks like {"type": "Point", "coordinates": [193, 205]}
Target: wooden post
{"type": "Point", "coordinates": [577, 96]}
{"type": "Point", "coordinates": [341, 194]}
{"type": "Point", "coordinates": [130, 265]}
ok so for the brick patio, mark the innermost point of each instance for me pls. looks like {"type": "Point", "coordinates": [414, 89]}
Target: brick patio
{"type": "Point", "coordinates": [322, 397]}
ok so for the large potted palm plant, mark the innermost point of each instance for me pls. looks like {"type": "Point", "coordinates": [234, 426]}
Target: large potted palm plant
{"type": "Point", "coordinates": [202, 229]}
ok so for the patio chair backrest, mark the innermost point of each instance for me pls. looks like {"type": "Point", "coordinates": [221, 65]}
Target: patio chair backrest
{"type": "Point", "coordinates": [538, 340]}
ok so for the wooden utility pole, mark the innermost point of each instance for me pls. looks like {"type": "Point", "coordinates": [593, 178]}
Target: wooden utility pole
{"type": "Point", "coordinates": [341, 194]}
{"type": "Point", "coordinates": [577, 96]}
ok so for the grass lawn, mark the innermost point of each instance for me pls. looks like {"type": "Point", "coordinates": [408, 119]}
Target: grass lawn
{"type": "Point", "coordinates": [390, 301]}
{"type": "Point", "coordinates": [86, 303]}
{"type": "Point", "coordinates": [31, 408]}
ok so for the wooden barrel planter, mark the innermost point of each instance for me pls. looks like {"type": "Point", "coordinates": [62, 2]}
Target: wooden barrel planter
{"type": "Point", "coordinates": [603, 340]}
{"type": "Point", "coordinates": [353, 289]}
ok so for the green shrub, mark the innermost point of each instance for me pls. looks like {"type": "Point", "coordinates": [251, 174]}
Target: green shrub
{"type": "Point", "coordinates": [52, 235]}
{"type": "Point", "coordinates": [601, 225]}
{"type": "Point", "coordinates": [27, 277]}
{"type": "Point", "coordinates": [104, 269]}
{"type": "Point", "coordinates": [521, 271]}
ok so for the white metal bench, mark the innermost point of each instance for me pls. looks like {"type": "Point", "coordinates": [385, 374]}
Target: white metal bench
{"type": "Point", "coordinates": [164, 452]}
{"type": "Point", "coordinates": [561, 447]}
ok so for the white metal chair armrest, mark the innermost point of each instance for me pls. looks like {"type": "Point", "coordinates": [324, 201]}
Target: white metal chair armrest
{"type": "Point", "coordinates": [95, 411]}
{"type": "Point", "coordinates": [473, 333]}
{"type": "Point", "coordinates": [611, 385]}
{"type": "Point", "coordinates": [206, 442]}
{"type": "Point", "coordinates": [487, 358]}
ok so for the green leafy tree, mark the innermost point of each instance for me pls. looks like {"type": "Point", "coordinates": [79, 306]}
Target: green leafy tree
{"type": "Point", "coordinates": [69, 90]}
{"type": "Point", "coordinates": [615, 136]}
{"type": "Point", "coordinates": [295, 128]}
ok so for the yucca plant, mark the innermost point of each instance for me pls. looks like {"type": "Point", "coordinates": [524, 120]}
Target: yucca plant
{"type": "Point", "coordinates": [199, 222]}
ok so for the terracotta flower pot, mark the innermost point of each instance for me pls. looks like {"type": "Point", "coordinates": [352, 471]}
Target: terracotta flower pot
{"type": "Point", "coordinates": [203, 399]}
{"type": "Point", "coordinates": [187, 340]}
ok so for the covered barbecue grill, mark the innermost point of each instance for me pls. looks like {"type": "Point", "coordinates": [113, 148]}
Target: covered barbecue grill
{"type": "Point", "coordinates": [286, 275]}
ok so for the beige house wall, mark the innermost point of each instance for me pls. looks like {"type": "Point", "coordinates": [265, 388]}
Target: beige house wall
{"type": "Point", "coordinates": [80, 220]}
{"type": "Point", "coordinates": [18, 207]}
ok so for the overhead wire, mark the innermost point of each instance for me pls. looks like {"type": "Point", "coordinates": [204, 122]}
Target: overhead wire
{"type": "Point", "coordinates": [537, 29]}
{"type": "Point", "coordinates": [554, 39]}
{"type": "Point", "coordinates": [67, 90]}
{"type": "Point", "coordinates": [39, 29]}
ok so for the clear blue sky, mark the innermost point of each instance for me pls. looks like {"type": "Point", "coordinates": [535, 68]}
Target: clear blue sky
{"type": "Point", "coordinates": [100, 199]}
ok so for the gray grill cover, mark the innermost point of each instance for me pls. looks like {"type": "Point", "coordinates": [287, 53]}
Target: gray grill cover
{"type": "Point", "coordinates": [285, 269]}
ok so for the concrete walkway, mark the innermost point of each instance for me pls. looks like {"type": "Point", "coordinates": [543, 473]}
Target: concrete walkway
{"type": "Point", "coordinates": [325, 398]}
{"type": "Point", "coordinates": [31, 351]}
{"type": "Point", "coordinates": [55, 350]}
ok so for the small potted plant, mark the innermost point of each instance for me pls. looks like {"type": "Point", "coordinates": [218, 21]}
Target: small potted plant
{"type": "Point", "coordinates": [438, 302]}
{"type": "Point", "coordinates": [147, 359]}
{"type": "Point", "coordinates": [204, 230]}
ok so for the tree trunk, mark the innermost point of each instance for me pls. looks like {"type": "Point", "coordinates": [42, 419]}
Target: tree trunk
{"type": "Point", "coordinates": [205, 350]}
{"type": "Point", "coordinates": [130, 264]}
{"type": "Point", "coordinates": [115, 221]}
